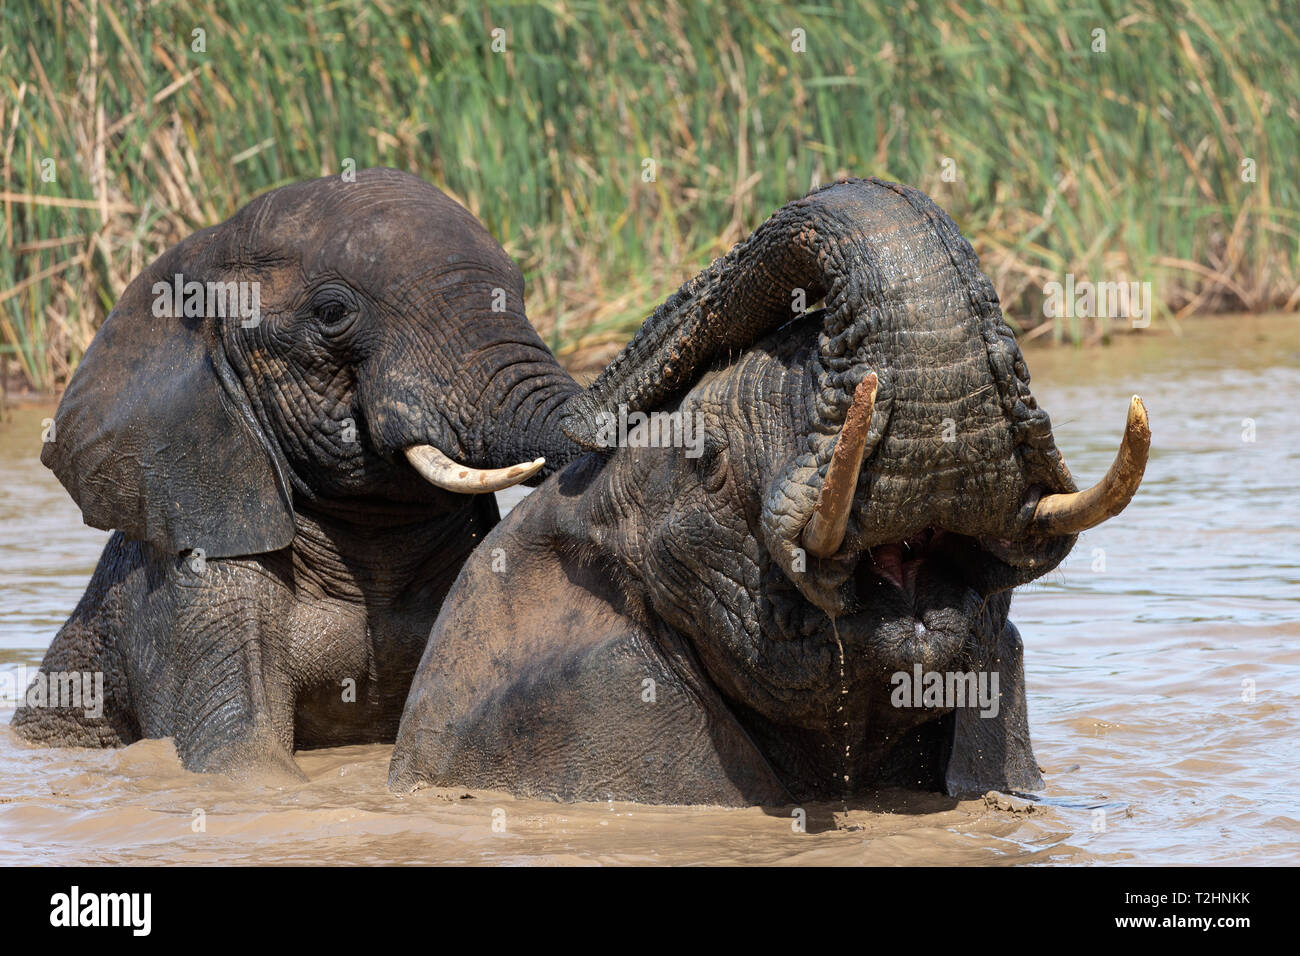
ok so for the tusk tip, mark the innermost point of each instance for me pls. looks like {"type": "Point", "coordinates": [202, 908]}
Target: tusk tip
{"type": "Point", "coordinates": [1138, 423]}
{"type": "Point", "coordinates": [528, 469]}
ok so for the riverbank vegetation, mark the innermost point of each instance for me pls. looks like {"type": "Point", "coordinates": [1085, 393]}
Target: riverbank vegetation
{"type": "Point", "coordinates": [616, 149]}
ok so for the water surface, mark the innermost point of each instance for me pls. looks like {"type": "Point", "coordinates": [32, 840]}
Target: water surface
{"type": "Point", "coordinates": [1162, 660]}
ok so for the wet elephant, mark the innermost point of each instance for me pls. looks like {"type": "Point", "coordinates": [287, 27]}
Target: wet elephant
{"type": "Point", "coordinates": [778, 591]}
{"type": "Point", "coordinates": [291, 421]}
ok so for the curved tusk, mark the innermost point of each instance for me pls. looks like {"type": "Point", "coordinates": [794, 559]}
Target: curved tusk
{"type": "Point", "coordinates": [824, 532]}
{"type": "Point", "coordinates": [437, 469]}
{"type": "Point", "coordinates": [1072, 513]}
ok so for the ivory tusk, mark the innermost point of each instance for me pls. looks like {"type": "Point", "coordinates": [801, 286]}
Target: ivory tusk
{"type": "Point", "coordinates": [1081, 510]}
{"type": "Point", "coordinates": [824, 533]}
{"type": "Point", "coordinates": [437, 469]}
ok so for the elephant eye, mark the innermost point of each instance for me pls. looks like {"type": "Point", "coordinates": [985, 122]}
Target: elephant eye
{"type": "Point", "coordinates": [331, 312]}
{"type": "Point", "coordinates": [334, 309]}
{"type": "Point", "coordinates": [714, 466]}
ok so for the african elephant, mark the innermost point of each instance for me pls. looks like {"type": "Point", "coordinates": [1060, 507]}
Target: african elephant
{"type": "Point", "coordinates": [727, 607]}
{"type": "Point", "coordinates": [290, 420]}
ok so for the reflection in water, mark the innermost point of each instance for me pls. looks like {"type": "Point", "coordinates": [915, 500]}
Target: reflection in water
{"type": "Point", "coordinates": [1139, 651]}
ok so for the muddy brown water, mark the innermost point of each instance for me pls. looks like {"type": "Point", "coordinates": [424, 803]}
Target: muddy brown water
{"type": "Point", "coordinates": [1163, 668]}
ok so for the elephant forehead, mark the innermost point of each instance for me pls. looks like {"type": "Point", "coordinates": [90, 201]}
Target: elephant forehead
{"type": "Point", "coordinates": [385, 222]}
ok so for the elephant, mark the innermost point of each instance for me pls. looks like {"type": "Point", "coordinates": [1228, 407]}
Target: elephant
{"type": "Point", "coordinates": [293, 423]}
{"type": "Point", "coordinates": [727, 600]}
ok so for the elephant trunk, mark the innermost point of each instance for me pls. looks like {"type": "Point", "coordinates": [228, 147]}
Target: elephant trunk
{"type": "Point", "coordinates": [521, 406]}
{"type": "Point", "coordinates": [896, 276]}
{"type": "Point", "coordinates": [482, 420]}
{"type": "Point", "coordinates": [762, 283]}
{"type": "Point", "coordinates": [904, 299]}
{"type": "Point", "coordinates": [954, 436]}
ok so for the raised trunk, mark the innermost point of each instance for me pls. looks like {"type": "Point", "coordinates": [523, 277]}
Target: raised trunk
{"type": "Point", "coordinates": [905, 299]}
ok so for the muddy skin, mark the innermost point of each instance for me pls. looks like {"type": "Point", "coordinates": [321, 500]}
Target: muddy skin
{"type": "Point", "coordinates": [647, 626]}
{"type": "Point", "coordinates": [279, 562]}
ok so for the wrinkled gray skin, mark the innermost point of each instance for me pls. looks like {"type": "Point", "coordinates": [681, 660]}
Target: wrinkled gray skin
{"type": "Point", "coordinates": [268, 564]}
{"type": "Point", "coordinates": [770, 668]}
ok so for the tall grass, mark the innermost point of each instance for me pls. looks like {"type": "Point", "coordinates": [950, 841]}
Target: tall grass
{"type": "Point", "coordinates": [1122, 165]}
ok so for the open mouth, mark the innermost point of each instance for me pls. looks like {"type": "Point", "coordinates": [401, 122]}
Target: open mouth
{"type": "Point", "coordinates": [931, 564]}
{"type": "Point", "coordinates": [901, 563]}
{"type": "Point", "coordinates": [919, 597]}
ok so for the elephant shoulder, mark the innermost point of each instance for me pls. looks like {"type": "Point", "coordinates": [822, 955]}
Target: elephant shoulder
{"type": "Point", "coordinates": [542, 679]}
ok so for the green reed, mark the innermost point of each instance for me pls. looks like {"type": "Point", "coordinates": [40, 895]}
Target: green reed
{"type": "Point", "coordinates": [1125, 165]}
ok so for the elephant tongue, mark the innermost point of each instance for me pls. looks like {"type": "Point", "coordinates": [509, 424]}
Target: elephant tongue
{"type": "Point", "coordinates": [899, 563]}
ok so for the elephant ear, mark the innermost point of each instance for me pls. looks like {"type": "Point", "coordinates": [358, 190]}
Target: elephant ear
{"type": "Point", "coordinates": [155, 438]}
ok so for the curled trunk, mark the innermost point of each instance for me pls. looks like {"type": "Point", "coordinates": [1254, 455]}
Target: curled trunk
{"type": "Point", "coordinates": [905, 300]}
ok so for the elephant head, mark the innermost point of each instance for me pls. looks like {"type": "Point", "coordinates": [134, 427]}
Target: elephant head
{"type": "Point", "coordinates": [852, 497]}
{"type": "Point", "coordinates": [339, 345]}
{"type": "Point", "coordinates": [906, 428]}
